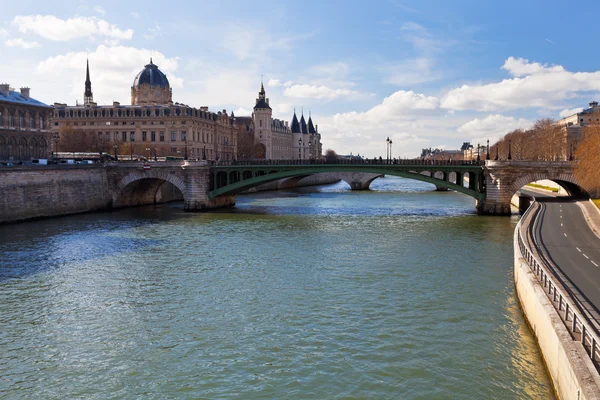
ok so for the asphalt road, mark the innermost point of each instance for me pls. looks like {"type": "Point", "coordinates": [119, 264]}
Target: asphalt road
{"type": "Point", "coordinates": [571, 244]}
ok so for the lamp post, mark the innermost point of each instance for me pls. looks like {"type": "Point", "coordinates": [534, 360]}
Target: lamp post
{"type": "Point", "coordinates": [497, 152]}
{"type": "Point", "coordinates": [487, 156]}
{"type": "Point", "coordinates": [56, 138]}
{"type": "Point", "coordinates": [387, 149]}
{"type": "Point", "coordinates": [116, 155]}
{"type": "Point", "coordinates": [204, 153]}
{"type": "Point", "coordinates": [509, 150]}
{"type": "Point", "coordinates": [300, 149]}
{"type": "Point", "coordinates": [391, 150]}
{"type": "Point", "coordinates": [155, 158]}
{"type": "Point", "coordinates": [478, 158]}
{"type": "Point", "coordinates": [185, 157]}
{"type": "Point", "coordinates": [148, 150]}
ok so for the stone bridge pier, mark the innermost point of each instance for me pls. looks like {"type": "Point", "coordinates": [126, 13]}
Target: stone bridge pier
{"type": "Point", "coordinates": [505, 178]}
{"type": "Point", "coordinates": [358, 180]}
{"type": "Point", "coordinates": [132, 185]}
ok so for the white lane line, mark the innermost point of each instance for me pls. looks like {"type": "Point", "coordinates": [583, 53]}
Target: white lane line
{"type": "Point", "coordinates": [561, 224]}
{"type": "Point", "coordinates": [586, 256]}
{"type": "Point", "coordinates": [578, 249]}
{"type": "Point", "coordinates": [561, 216]}
{"type": "Point", "coordinates": [565, 235]}
{"type": "Point", "coordinates": [594, 263]}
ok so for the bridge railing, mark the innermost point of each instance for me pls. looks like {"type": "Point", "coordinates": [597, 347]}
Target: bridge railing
{"type": "Point", "coordinates": [574, 315]}
{"type": "Point", "coordinates": [375, 161]}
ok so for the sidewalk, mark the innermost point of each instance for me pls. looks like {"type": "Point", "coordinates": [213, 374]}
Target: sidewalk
{"type": "Point", "coordinates": [591, 214]}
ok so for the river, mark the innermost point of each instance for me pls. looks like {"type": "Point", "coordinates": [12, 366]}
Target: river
{"type": "Point", "coordinates": [321, 293]}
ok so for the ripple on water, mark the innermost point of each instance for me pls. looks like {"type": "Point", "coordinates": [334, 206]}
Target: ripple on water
{"type": "Point", "coordinates": [316, 294]}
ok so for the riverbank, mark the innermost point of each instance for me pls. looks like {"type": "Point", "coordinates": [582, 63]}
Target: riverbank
{"type": "Point", "coordinates": [571, 370]}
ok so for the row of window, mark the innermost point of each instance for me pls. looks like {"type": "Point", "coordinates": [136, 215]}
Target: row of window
{"type": "Point", "coordinates": [161, 137]}
{"type": "Point", "coordinates": [22, 123]}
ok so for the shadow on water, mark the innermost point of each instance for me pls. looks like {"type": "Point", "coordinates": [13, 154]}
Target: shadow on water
{"type": "Point", "coordinates": [36, 246]}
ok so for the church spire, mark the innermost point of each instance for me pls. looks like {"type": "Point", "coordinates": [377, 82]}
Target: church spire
{"type": "Point", "coordinates": [88, 96]}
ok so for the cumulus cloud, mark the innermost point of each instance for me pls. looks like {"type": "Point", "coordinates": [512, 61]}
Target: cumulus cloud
{"type": "Point", "coordinates": [533, 85]}
{"type": "Point", "coordinates": [410, 72]}
{"type": "Point", "coordinates": [3, 32]}
{"type": "Point", "coordinates": [492, 127]}
{"type": "Point", "coordinates": [53, 28]}
{"type": "Point", "coordinates": [317, 92]}
{"type": "Point", "coordinates": [100, 10]}
{"type": "Point", "coordinates": [21, 43]}
{"type": "Point", "coordinates": [570, 111]}
{"type": "Point", "coordinates": [112, 70]}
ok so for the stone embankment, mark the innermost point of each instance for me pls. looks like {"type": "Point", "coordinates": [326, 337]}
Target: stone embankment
{"type": "Point", "coordinates": [573, 373]}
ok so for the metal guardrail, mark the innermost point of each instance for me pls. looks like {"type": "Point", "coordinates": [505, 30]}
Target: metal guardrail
{"type": "Point", "coordinates": [572, 313]}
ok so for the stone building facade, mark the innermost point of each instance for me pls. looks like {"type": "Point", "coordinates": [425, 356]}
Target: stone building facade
{"type": "Point", "coordinates": [273, 139]}
{"type": "Point", "coordinates": [152, 126]}
{"type": "Point", "coordinates": [573, 127]}
{"type": "Point", "coordinates": [24, 126]}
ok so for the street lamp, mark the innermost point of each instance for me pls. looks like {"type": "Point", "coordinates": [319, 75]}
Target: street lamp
{"type": "Point", "coordinates": [487, 156]}
{"type": "Point", "coordinates": [391, 150]}
{"type": "Point", "coordinates": [478, 158]}
{"type": "Point", "coordinates": [204, 153]}
{"type": "Point", "coordinates": [115, 148]}
{"type": "Point", "coordinates": [155, 158]}
{"type": "Point", "coordinates": [509, 150]}
{"type": "Point", "coordinates": [148, 150]}
{"type": "Point", "coordinates": [497, 152]}
{"type": "Point", "coordinates": [185, 157]}
{"type": "Point", "coordinates": [310, 149]}
{"type": "Point", "coordinates": [387, 149]}
{"type": "Point", "coordinates": [300, 149]}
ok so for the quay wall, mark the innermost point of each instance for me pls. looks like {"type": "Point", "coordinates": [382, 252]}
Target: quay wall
{"type": "Point", "coordinates": [572, 372]}
{"type": "Point", "coordinates": [45, 191]}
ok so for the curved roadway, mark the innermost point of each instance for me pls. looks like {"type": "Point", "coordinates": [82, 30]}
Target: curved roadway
{"type": "Point", "coordinates": [570, 243]}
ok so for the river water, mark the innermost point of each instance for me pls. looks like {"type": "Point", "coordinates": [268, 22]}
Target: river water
{"type": "Point", "coordinates": [324, 293]}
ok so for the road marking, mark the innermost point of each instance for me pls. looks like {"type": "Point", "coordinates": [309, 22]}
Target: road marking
{"type": "Point", "coordinates": [561, 216]}
{"type": "Point", "coordinates": [565, 235]}
{"type": "Point", "coordinates": [578, 249]}
{"type": "Point", "coordinates": [594, 263]}
{"type": "Point", "coordinates": [586, 256]}
{"type": "Point", "coordinates": [561, 224]}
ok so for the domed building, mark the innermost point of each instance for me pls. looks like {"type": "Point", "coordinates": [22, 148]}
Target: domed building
{"type": "Point", "coordinates": [151, 86]}
{"type": "Point", "coordinates": [153, 126]}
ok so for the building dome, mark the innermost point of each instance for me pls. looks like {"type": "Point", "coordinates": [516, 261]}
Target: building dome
{"type": "Point", "coordinates": [152, 76]}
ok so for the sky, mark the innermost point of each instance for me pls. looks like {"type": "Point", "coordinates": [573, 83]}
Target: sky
{"type": "Point", "coordinates": [424, 73]}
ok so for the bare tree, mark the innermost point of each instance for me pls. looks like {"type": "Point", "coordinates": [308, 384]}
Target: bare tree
{"type": "Point", "coordinates": [587, 155]}
{"type": "Point", "coordinates": [330, 156]}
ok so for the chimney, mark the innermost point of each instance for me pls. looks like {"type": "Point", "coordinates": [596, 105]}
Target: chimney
{"type": "Point", "coordinates": [593, 104]}
{"type": "Point", "coordinates": [25, 92]}
{"type": "Point", "coordinates": [116, 104]}
{"type": "Point", "coordinates": [4, 89]}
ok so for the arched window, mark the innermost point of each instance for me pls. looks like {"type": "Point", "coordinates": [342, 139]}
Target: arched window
{"type": "Point", "coordinates": [1, 119]}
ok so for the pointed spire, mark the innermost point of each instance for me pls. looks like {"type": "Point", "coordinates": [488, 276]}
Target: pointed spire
{"type": "Point", "coordinates": [151, 60]}
{"type": "Point", "coordinates": [88, 96]}
{"type": "Point", "coordinates": [295, 124]}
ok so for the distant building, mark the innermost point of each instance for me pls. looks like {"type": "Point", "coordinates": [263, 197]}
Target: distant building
{"type": "Point", "coordinates": [265, 137]}
{"type": "Point", "coordinates": [151, 126]}
{"type": "Point", "coordinates": [573, 127]}
{"type": "Point", "coordinates": [24, 126]}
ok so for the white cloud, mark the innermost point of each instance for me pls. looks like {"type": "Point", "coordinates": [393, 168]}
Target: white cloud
{"type": "Point", "coordinates": [534, 85]}
{"type": "Point", "coordinates": [153, 32]}
{"type": "Point", "coordinates": [100, 10]}
{"type": "Point", "coordinates": [135, 15]}
{"type": "Point", "coordinates": [21, 43]}
{"type": "Point", "coordinates": [254, 43]}
{"type": "Point", "coordinates": [112, 70]}
{"type": "Point", "coordinates": [242, 112]}
{"type": "Point", "coordinates": [3, 32]}
{"type": "Point", "coordinates": [317, 92]}
{"type": "Point", "coordinates": [336, 69]}
{"type": "Point", "coordinates": [53, 28]}
{"type": "Point", "coordinates": [568, 112]}
{"type": "Point", "coordinates": [492, 127]}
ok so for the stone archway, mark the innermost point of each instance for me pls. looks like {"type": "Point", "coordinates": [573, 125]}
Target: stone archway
{"type": "Point", "coordinates": [148, 187]}
{"type": "Point", "coordinates": [566, 179]}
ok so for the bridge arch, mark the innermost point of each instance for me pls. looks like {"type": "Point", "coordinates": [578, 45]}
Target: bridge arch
{"type": "Point", "coordinates": [148, 187]}
{"type": "Point", "coordinates": [567, 180]}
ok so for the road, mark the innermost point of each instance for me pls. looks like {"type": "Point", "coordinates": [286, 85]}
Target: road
{"type": "Point", "coordinates": [571, 244]}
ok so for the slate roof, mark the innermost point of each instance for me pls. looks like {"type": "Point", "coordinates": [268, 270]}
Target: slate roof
{"type": "Point", "coordinates": [261, 103]}
{"type": "Point", "coordinates": [311, 127]}
{"type": "Point", "coordinates": [151, 75]}
{"type": "Point", "coordinates": [295, 124]}
{"type": "Point", "coordinates": [303, 124]}
{"type": "Point", "coordinates": [15, 97]}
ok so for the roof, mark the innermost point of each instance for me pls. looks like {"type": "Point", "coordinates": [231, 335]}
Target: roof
{"type": "Point", "coordinates": [295, 124]}
{"type": "Point", "coordinates": [311, 127]}
{"type": "Point", "coordinates": [262, 103]}
{"type": "Point", "coordinates": [15, 97]}
{"type": "Point", "coordinates": [152, 76]}
{"type": "Point", "coordinates": [303, 124]}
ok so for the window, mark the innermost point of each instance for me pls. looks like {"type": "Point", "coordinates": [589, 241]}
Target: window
{"type": "Point", "coordinates": [92, 123]}
{"type": "Point", "coordinates": [75, 123]}
{"type": "Point", "coordinates": [162, 136]}
{"type": "Point", "coordinates": [107, 123]}
{"type": "Point", "coordinates": [132, 136]}
{"type": "Point", "coordinates": [116, 136]}
{"type": "Point", "coordinates": [173, 136]}
{"type": "Point", "coordinates": [123, 123]}
{"type": "Point", "coordinates": [124, 136]}
{"type": "Point", "coordinates": [153, 136]}
{"type": "Point", "coordinates": [260, 123]}
{"type": "Point", "coordinates": [162, 122]}
{"type": "Point", "coordinates": [108, 136]}
{"type": "Point", "coordinates": [31, 123]}
{"type": "Point", "coordinates": [183, 136]}
{"type": "Point", "coordinates": [21, 122]}
{"type": "Point", "coordinates": [1, 119]}
{"type": "Point", "coordinates": [144, 136]}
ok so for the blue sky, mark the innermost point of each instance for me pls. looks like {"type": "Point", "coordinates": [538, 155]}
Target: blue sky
{"type": "Point", "coordinates": [425, 73]}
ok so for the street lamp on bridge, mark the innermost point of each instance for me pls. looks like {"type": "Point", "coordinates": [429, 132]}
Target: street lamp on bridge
{"type": "Point", "coordinates": [148, 150]}
{"type": "Point", "coordinates": [116, 155]}
{"type": "Point", "coordinates": [487, 156]}
{"type": "Point", "coordinates": [509, 150]}
{"type": "Point", "coordinates": [56, 138]}
{"type": "Point", "coordinates": [300, 149]}
{"type": "Point", "coordinates": [387, 149]}
{"type": "Point", "coordinates": [478, 158]}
